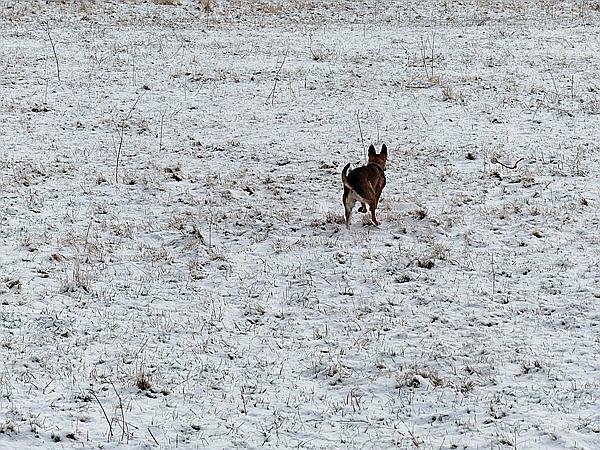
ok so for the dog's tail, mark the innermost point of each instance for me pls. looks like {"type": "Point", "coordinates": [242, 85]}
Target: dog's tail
{"type": "Point", "coordinates": [345, 176]}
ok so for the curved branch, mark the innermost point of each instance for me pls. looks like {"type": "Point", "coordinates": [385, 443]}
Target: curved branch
{"type": "Point", "coordinates": [514, 166]}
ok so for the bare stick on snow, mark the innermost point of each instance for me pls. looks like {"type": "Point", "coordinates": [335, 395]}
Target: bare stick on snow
{"type": "Point", "coordinates": [272, 94]}
{"type": "Point", "coordinates": [361, 135]}
{"type": "Point", "coordinates": [110, 432]}
{"type": "Point", "coordinates": [53, 50]}
{"type": "Point", "coordinates": [493, 160]}
{"type": "Point", "coordinates": [123, 423]}
{"type": "Point", "coordinates": [151, 434]}
{"type": "Point", "coordinates": [121, 132]}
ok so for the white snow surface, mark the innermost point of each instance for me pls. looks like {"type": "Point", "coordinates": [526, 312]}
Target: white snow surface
{"type": "Point", "coordinates": [174, 267]}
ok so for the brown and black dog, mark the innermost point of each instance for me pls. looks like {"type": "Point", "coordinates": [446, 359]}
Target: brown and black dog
{"type": "Point", "coordinates": [365, 184]}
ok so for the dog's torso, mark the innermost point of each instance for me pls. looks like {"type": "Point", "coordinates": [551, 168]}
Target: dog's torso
{"type": "Point", "coordinates": [367, 182]}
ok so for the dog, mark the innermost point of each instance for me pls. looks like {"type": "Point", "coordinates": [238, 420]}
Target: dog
{"type": "Point", "coordinates": [365, 184]}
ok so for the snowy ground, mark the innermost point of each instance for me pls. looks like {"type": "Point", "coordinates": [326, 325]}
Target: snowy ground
{"type": "Point", "coordinates": [207, 294]}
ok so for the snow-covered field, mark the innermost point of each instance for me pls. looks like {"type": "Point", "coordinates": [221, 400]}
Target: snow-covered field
{"type": "Point", "coordinates": [174, 268]}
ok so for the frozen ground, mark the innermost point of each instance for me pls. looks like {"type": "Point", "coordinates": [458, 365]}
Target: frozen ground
{"type": "Point", "coordinates": [207, 294]}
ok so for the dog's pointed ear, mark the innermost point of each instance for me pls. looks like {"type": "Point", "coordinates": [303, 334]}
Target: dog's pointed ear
{"type": "Point", "coordinates": [384, 150]}
{"type": "Point", "coordinates": [372, 150]}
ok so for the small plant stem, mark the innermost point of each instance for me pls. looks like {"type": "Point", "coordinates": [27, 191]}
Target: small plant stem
{"type": "Point", "coordinates": [572, 87]}
{"type": "Point", "coordinates": [493, 278]}
{"type": "Point", "coordinates": [122, 136]}
{"type": "Point", "coordinates": [123, 423]}
{"type": "Point", "coordinates": [432, 50]}
{"type": "Point", "coordinates": [513, 167]}
{"type": "Point", "coordinates": [362, 139]}
{"type": "Point", "coordinates": [272, 94]}
{"type": "Point", "coordinates": [110, 432]}
{"type": "Point", "coordinates": [53, 50]}
{"type": "Point", "coordinates": [162, 119]}
{"type": "Point", "coordinates": [150, 431]}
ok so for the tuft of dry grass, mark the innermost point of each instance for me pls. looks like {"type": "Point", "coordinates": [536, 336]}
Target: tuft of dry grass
{"type": "Point", "coordinates": [450, 95]}
{"type": "Point", "coordinates": [419, 213]}
{"type": "Point", "coordinates": [142, 381]}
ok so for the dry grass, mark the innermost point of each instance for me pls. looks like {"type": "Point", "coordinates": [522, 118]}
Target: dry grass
{"type": "Point", "coordinates": [143, 382]}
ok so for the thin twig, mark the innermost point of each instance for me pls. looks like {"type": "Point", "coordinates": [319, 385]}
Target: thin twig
{"type": "Point", "coordinates": [46, 79]}
{"type": "Point", "coordinates": [272, 94]}
{"type": "Point", "coordinates": [122, 136]}
{"type": "Point", "coordinates": [123, 423]}
{"type": "Point", "coordinates": [424, 58]}
{"type": "Point", "coordinates": [362, 139]}
{"type": "Point", "coordinates": [493, 278]}
{"type": "Point", "coordinates": [572, 87]}
{"type": "Point", "coordinates": [87, 237]}
{"type": "Point", "coordinates": [150, 431]}
{"type": "Point", "coordinates": [493, 160]}
{"type": "Point", "coordinates": [133, 64]}
{"type": "Point", "coordinates": [432, 50]}
{"type": "Point", "coordinates": [162, 119]}
{"type": "Point", "coordinates": [414, 438]}
{"type": "Point", "coordinates": [110, 432]}
{"type": "Point", "coordinates": [48, 384]}
{"type": "Point", "coordinates": [210, 227]}
{"type": "Point", "coordinates": [53, 50]}
{"type": "Point", "coordinates": [554, 84]}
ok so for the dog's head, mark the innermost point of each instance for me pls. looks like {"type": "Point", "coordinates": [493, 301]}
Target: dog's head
{"type": "Point", "coordinates": [378, 158]}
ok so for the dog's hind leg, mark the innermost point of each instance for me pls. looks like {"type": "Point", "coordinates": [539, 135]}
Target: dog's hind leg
{"type": "Point", "coordinates": [373, 207]}
{"type": "Point", "coordinates": [348, 201]}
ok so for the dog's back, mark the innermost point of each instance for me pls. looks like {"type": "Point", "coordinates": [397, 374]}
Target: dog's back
{"type": "Point", "coordinates": [367, 181]}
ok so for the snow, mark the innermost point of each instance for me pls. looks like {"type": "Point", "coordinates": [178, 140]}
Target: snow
{"type": "Point", "coordinates": [204, 291]}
